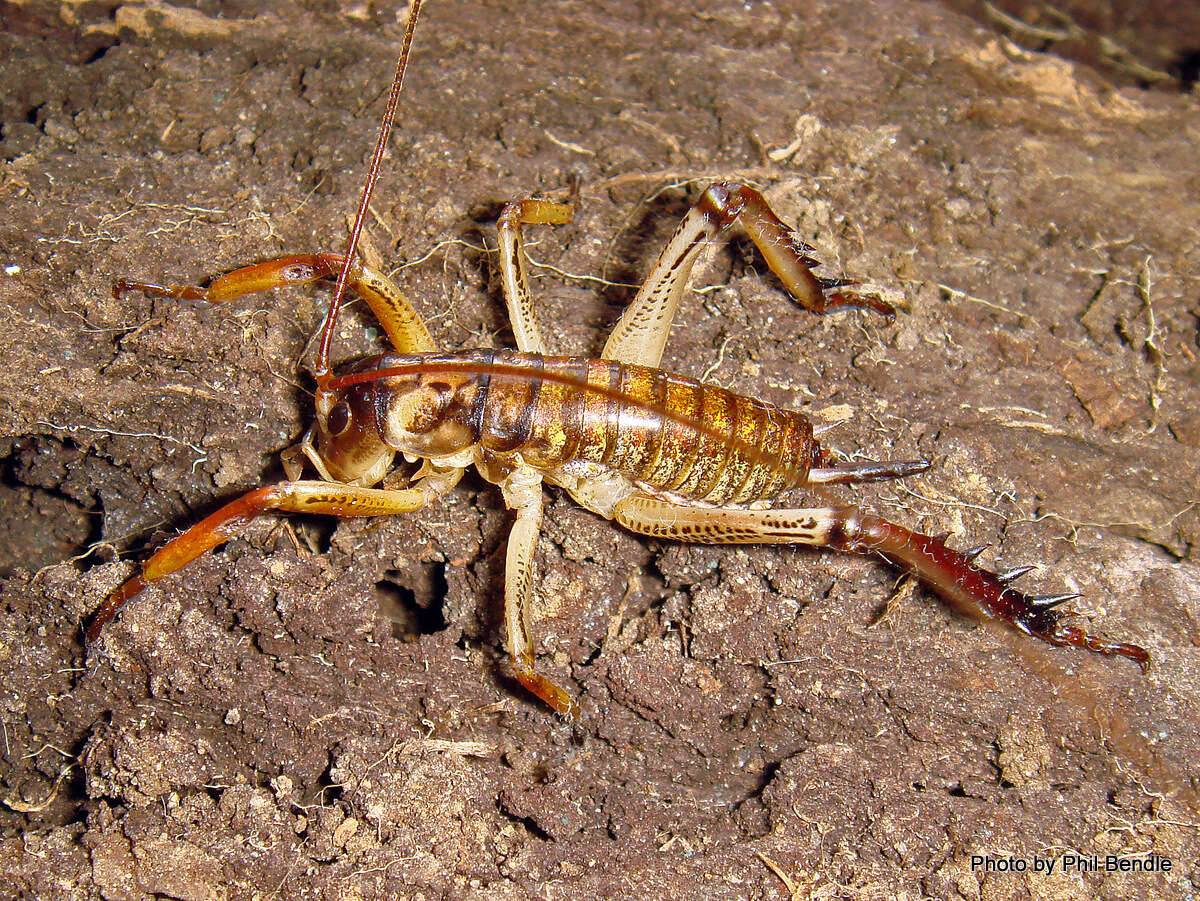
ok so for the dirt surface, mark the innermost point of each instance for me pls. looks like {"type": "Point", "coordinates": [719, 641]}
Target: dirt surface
{"type": "Point", "coordinates": [331, 717]}
{"type": "Point", "coordinates": [1153, 44]}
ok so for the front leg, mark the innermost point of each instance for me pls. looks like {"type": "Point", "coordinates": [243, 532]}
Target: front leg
{"type": "Point", "coordinates": [403, 325]}
{"type": "Point", "coordinates": [331, 498]}
{"type": "Point", "coordinates": [523, 493]}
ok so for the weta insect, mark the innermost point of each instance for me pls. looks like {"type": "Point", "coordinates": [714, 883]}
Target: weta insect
{"type": "Point", "coordinates": [660, 454]}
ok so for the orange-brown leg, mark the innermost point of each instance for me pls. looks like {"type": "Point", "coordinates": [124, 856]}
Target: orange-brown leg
{"type": "Point", "coordinates": [789, 257]}
{"type": "Point", "coordinates": [400, 321]}
{"type": "Point", "coordinates": [331, 498]}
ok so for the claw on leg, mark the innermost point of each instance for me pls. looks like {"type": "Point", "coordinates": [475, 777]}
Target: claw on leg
{"type": "Point", "coordinates": [537, 684]}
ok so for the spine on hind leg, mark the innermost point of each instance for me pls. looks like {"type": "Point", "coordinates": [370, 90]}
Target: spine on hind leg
{"type": "Point", "coordinates": [975, 591]}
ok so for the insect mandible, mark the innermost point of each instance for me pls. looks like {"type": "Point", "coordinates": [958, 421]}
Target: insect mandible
{"type": "Point", "coordinates": [660, 454]}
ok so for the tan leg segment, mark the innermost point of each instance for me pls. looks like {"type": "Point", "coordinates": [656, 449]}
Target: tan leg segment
{"type": "Point", "coordinates": [298, 497]}
{"type": "Point", "coordinates": [641, 334]}
{"type": "Point", "coordinates": [512, 264]}
{"type": "Point", "coordinates": [400, 321]}
{"type": "Point", "coordinates": [649, 515]}
{"type": "Point", "coordinates": [524, 494]}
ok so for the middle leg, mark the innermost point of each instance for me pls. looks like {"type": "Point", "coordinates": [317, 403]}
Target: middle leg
{"type": "Point", "coordinates": [523, 493]}
{"type": "Point", "coordinates": [517, 296]}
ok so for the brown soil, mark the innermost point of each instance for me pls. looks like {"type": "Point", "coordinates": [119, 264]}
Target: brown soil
{"type": "Point", "coordinates": [330, 716]}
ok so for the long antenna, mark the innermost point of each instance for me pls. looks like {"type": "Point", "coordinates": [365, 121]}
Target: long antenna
{"type": "Point", "coordinates": [322, 373]}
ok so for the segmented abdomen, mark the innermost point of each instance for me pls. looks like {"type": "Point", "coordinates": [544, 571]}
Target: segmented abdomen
{"type": "Point", "coordinates": [742, 449]}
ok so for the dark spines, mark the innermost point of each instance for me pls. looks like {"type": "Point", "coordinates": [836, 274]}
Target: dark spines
{"type": "Point", "coordinates": [976, 591]}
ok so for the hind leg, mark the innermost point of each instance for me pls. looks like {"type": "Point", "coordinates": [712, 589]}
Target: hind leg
{"type": "Point", "coordinates": [641, 334]}
{"type": "Point", "coordinates": [975, 591]}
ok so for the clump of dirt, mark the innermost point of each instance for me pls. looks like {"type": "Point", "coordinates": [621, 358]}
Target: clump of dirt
{"type": "Point", "coordinates": [322, 709]}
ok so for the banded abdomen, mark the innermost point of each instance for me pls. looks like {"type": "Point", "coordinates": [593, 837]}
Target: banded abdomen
{"type": "Point", "coordinates": [743, 450]}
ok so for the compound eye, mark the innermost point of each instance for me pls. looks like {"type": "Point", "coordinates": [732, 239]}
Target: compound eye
{"type": "Point", "coordinates": [338, 419]}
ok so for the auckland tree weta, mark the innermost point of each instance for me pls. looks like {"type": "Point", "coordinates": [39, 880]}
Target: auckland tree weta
{"type": "Point", "coordinates": [660, 454]}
